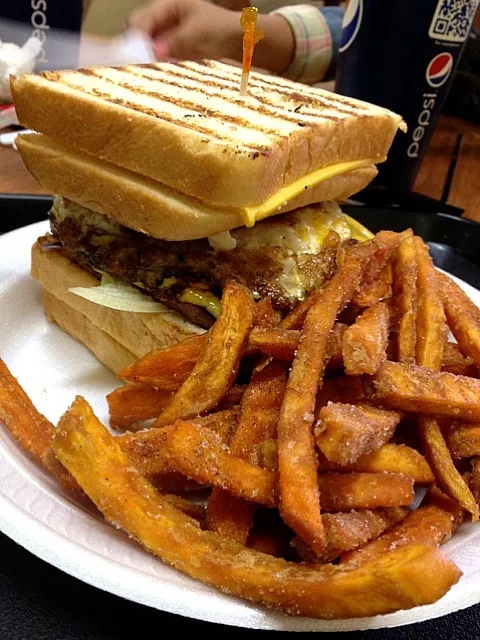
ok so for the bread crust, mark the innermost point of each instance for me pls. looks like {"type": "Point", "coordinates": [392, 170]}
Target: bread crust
{"type": "Point", "coordinates": [107, 350]}
{"type": "Point", "coordinates": [135, 333]}
{"type": "Point", "coordinates": [144, 205]}
{"type": "Point", "coordinates": [216, 171]}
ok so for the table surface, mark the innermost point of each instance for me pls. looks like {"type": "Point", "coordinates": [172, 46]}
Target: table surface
{"type": "Point", "coordinates": [449, 171]}
{"type": "Point", "coordinates": [33, 594]}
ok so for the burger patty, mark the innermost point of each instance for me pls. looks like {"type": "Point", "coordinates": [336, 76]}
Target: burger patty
{"type": "Point", "coordinates": [166, 269]}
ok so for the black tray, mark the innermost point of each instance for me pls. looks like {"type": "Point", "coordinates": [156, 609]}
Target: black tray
{"type": "Point", "coordinates": [36, 596]}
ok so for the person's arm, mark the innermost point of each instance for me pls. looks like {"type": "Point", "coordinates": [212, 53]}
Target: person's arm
{"type": "Point", "coordinates": [233, 5]}
{"type": "Point", "coordinates": [298, 42]}
{"type": "Point", "coordinates": [195, 29]}
{"type": "Point", "coordinates": [317, 34]}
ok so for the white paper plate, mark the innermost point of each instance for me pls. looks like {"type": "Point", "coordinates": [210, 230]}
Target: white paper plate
{"type": "Point", "coordinates": [34, 512]}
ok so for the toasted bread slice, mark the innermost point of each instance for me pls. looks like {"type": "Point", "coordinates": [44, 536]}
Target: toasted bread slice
{"type": "Point", "coordinates": [145, 205]}
{"type": "Point", "coordinates": [186, 126]}
{"type": "Point", "coordinates": [107, 350]}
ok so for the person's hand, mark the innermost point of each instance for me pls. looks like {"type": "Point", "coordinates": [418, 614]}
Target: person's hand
{"type": "Point", "coordinates": [194, 29]}
{"type": "Point", "coordinates": [190, 29]}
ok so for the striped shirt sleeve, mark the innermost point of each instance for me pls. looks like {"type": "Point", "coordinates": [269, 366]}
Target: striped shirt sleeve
{"type": "Point", "coordinates": [317, 33]}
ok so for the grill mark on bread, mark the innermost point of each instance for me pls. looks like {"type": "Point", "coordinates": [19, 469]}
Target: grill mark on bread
{"type": "Point", "coordinates": [270, 109]}
{"type": "Point", "coordinates": [313, 100]}
{"type": "Point", "coordinates": [307, 95]}
{"type": "Point", "coordinates": [193, 106]}
{"type": "Point", "coordinates": [56, 77]}
{"type": "Point", "coordinates": [240, 147]}
{"type": "Point", "coordinates": [283, 84]}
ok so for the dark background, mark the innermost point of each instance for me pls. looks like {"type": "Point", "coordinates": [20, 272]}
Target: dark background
{"type": "Point", "coordinates": [39, 602]}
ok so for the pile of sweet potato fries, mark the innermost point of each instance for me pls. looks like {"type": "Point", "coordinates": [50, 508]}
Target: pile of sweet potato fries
{"type": "Point", "coordinates": [307, 435]}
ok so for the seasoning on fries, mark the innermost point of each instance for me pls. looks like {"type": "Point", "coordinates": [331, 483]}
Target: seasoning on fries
{"type": "Point", "coordinates": [217, 366]}
{"type": "Point", "coordinates": [414, 388]}
{"type": "Point", "coordinates": [404, 298]}
{"type": "Point", "coordinates": [299, 496]}
{"type": "Point", "coordinates": [345, 491]}
{"type": "Point", "coordinates": [393, 581]}
{"type": "Point", "coordinates": [306, 434]}
{"type": "Point", "coordinates": [365, 342]}
{"type": "Point", "coordinates": [431, 524]}
{"type": "Point", "coordinates": [350, 530]}
{"type": "Point", "coordinates": [258, 421]}
{"type": "Point", "coordinates": [389, 458]}
{"type": "Point", "coordinates": [345, 432]}
{"type": "Point", "coordinates": [463, 317]}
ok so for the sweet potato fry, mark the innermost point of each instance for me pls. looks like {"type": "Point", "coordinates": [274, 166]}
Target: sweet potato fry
{"type": "Point", "coordinates": [364, 343]}
{"type": "Point", "coordinates": [435, 497]}
{"type": "Point", "coordinates": [168, 368]}
{"type": "Point", "coordinates": [464, 440]}
{"type": "Point", "coordinates": [297, 464]}
{"type": "Point", "coordinates": [409, 387]}
{"type": "Point", "coordinates": [446, 475]}
{"type": "Point", "coordinates": [474, 481]}
{"type": "Point", "coordinates": [24, 423]}
{"type": "Point", "coordinates": [267, 454]}
{"type": "Point", "coordinates": [377, 290]}
{"type": "Point", "coordinates": [387, 242]}
{"type": "Point", "coordinates": [194, 510]}
{"type": "Point", "coordinates": [344, 389]}
{"type": "Point", "coordinates": [392, 582]}
{"type": "Point", "coordinates": [135, 403]}
{"type": "Point", "coordinates": [405, 298]}
{"type": "Point", "coordinates": [264, 314]}
{"type": "Point", "coordinates": [148, 451]}
{"type": "Point", "coordinates": [259, 411]}
{"type": "Point", "coordinates": [283, 343]}
{"type": "Point", "coordinates": [429, 525]}
{"type": "Point", "coordinates": [199, 454]}
{"type": "Point", "coordinates": [345, 432]}
{"type": "Point", "coordinates": [260, 407]}
{"type": "Point", "coordinates": [233, 398]}
{"type": "Point", "coordinates": [454, 361]}
{"type": "Point", "coordinates": [377, 254]}
{"type": "Point", "coordinates": [32, 431]}
{"type": "Point", "coordinates": [392, 458]}
{"type": "Point", "coordinates": [463, 316]}
{"type": "Point", "coordinates": [217, 366]}
{"type": "Point", "coordinates": [431, 332]}
{"type": "Point", "coordinates": [334, 356]}
{"type": "Point", "coordinates": [269, 543]}
{"type": "Point", "coordinates": [347, 531]}
{"type": "Point", "coordinates": [431, 324]}
{"type": "Point", "coordinates": [275, 343]}
{"type": "Point", "coordinates": [345, 491]}
{"type": "Point", "coordinates": [175, 483]}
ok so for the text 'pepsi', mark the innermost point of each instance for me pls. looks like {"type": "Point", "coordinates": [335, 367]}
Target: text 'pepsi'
{"type": "Point", "coordinates": [402, 55]}
{"type": "Point", "coordinates": [56, 23]}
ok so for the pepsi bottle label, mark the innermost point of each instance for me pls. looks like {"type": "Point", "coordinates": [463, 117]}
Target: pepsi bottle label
{"type": "Point", "coordinates": [402, 55]}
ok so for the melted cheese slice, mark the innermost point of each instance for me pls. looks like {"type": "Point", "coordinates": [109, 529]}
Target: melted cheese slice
{"type": "Point", "coordinates": [250, 215]}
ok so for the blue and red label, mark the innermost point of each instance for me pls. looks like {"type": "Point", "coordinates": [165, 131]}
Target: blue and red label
{"type": "Point", "coordinates": [439, 69]}
{"type": "Point", "coordinates": [351, 23]}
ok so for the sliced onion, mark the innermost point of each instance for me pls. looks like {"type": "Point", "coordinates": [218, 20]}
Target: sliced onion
{"type": "Point", "coordinates": [120, 296]}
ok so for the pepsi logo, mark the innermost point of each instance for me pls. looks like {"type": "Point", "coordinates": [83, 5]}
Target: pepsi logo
{"type": "Point", "coordinates": [351, 23]}
{"type": "Point", "coordinates": [439, 69]}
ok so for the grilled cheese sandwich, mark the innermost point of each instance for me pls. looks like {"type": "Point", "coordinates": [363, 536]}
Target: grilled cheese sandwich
{"type": "Point", "coordinates": [174, 183]}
